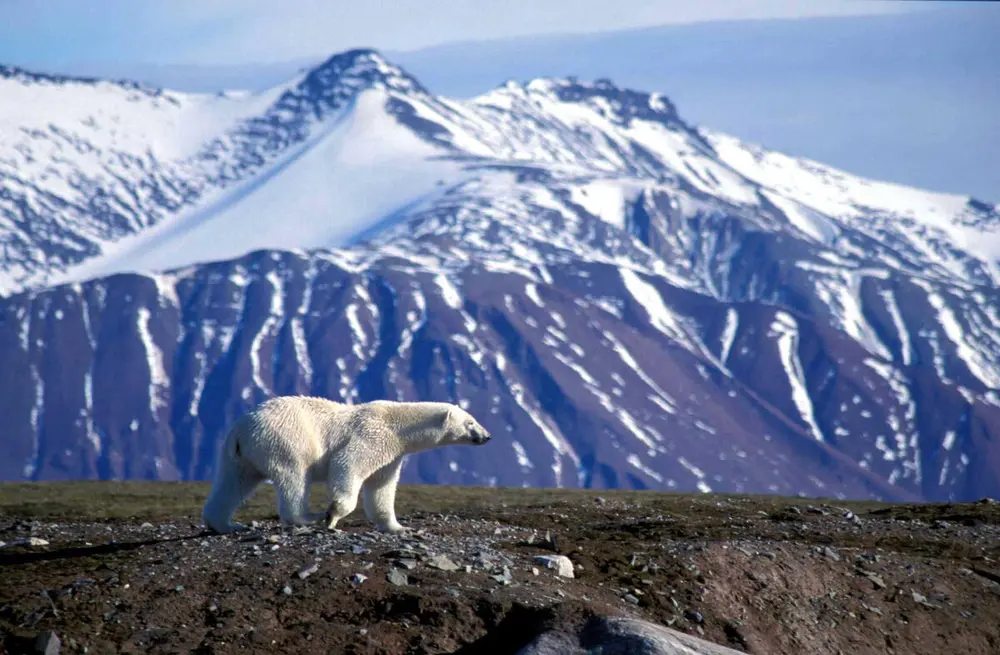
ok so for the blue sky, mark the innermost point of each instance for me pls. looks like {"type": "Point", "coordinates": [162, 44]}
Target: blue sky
{"type": "Point", "coordinates": [898, 91]}
{"type": "Point", "coordinates": [57, 32]}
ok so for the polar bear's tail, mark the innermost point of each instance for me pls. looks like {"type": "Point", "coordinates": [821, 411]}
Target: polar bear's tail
{"type": "Point", "coordinates": [235, 481]}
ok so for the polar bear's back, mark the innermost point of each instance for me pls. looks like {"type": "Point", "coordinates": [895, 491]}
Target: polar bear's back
{"type": "Point", "coordinates": [298, 428]}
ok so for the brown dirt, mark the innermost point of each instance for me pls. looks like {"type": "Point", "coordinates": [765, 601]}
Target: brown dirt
{"type": "Point", "coordinates": [127, 569]}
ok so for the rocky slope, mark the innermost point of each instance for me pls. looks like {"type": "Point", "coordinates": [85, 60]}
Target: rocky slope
{"type": "Point", "coordinates": [628, 300]}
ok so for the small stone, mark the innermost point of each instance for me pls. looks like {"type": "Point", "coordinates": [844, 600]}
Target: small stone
{"type": "Point", "coordinates": [403, 553]}
{"type": "Point", "coordinates": [497, 531]}
{"type": "Point", "coordinates": [563, 565]}
{"type": "Point", "coordinates": [35, 542]}
{"type": "Point", "coordinates": [287, 590]}
{"type": "Point", "coordinates": [397, 577]}
{"type": "Point", "coordinates": [363, 631]}
{"type": "Point", "coordinates": [48, 643]}
{"type": "Point", "coordinates": [629, 598]}
{"type": "Point", "coordinates": [815, 510]}
{"type": "Point", "coordinates": [273, 538]}
{"type": "Point", "coordinates": [179, 588]}
{"type": "Point", "coordinates": [876, 580]}
{"type": "Point", "coordinates": [146, 526]}
{"type": "Point", "coordinates": [830, 553]}
{"type": "Point", "coordinates": [442, 562]}
{"type": "Point", "coordinates": [301, 530]}
{"type": "Point", "coordinates": [505, 577]}
{"type": "Point", "coordinates": [307, 571]}
{"type": "Point", "coordinates": [534, 570]}
{"type": "Point", "coordinates": [408, 564]}
{"type": "Point", "coordinates": [694, 617]}
{"type": "Point", "coordinates": [600, 500]}
{"type": "Point", "coordinates": [358, 578]}
{"type": "Point", "coordinates": [359, 550]}
{"type": "Point", "coordinates": [794, 509]}
{"type": "Point", "coordinates": [920, 599]}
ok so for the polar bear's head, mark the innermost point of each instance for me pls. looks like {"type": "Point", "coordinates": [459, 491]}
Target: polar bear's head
{"type": "Point", "coordinates": [461, 427]}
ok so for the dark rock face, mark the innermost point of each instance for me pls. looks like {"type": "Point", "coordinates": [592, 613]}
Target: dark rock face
{"type": "Point", "coordinates": [139, 377]}
{"type": "Point", "coordinates": [700, 338]}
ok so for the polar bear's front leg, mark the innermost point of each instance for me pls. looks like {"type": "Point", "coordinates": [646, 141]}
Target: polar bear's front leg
{"type": "Point", "coordinates": [379, 494]}
{"type": "Point", "coordinates": [343, 484]}
{"type": "Point", "coordinates": [342, 503]}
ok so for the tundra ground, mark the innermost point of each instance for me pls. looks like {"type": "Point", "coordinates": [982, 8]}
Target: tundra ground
{"type": "Point", "coordinates": [127, 568]}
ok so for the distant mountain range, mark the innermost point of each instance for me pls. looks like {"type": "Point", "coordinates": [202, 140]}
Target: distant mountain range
{"type": "Point", "coordinates": [624, 299]}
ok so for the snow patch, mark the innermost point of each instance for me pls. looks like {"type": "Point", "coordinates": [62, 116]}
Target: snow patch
{"type": "Point", "coordinates": [786, 330]}
{"type": "Point", "coordinates": [159, 383]}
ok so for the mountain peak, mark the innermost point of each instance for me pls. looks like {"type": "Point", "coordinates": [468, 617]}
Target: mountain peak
{"type": "Point", "coordinates": [25, 76]}
{"type": "Point", "coordinates": [318, 94]}
{"type": "Point", "coordinates": [360, 67]}
{"type": "Point", "coordinates": [620, 104]}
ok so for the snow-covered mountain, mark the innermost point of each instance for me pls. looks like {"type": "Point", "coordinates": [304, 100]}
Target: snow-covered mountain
{"type": "Point", "coordinates": [626, 299]}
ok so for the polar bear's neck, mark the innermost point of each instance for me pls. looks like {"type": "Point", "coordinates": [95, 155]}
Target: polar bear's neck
{"type": "Point", "coordinates": [420, 425]}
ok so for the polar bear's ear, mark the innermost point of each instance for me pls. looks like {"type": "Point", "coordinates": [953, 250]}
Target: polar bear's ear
{"type": "Point", "coordinates": [449, 418]}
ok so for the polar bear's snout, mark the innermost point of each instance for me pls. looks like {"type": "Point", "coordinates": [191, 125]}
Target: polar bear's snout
{"type": "Point", "coordinates": [478, 435]}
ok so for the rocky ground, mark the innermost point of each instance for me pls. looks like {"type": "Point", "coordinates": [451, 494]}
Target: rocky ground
{"type": "Point", "coordinates": [126, 568]}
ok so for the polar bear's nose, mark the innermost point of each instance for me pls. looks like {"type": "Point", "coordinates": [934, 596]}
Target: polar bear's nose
{"type": "Point", "coordinates": [480, 435]}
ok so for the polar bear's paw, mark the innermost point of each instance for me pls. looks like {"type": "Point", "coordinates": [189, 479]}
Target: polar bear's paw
{"type": "Point", "coordinates": [392, 528]}
{"type": "Point", "coordinates": [229, 529]}
{"type": "Point", "coordinates": [331, 523]}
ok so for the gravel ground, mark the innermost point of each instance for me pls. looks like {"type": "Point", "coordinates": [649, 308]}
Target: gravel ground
{"type": "Point", "coordinates": [115, 568]}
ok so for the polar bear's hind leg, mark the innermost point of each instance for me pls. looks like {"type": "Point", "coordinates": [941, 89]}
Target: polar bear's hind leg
{"type": "Point", "coordinates": [380, 497]}
{"type": "Point", "coordinates": [292, 488]}
{"type": "Point", "coordinates": [235, 481]}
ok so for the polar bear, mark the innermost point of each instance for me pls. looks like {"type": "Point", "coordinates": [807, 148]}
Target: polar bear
{"type": "Point", "coordinates": [297, 440]}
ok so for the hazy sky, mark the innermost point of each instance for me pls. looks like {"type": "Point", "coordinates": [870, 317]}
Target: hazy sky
{"type": "Point", "coordinates": [46, 33]}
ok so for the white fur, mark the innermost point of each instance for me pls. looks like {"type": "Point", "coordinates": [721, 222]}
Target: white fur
{"type": "Point", "coordinates": [297, 440]}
